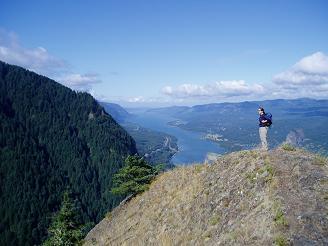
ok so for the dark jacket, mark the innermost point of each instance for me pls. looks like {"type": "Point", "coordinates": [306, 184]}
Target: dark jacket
{"type": "Point", "coordinates": [262, 117]}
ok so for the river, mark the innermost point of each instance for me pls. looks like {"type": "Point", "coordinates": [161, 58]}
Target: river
{"type": "Point", "coordinates": [192, 148]}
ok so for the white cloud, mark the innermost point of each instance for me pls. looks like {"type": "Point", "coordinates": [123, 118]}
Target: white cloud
{"type": "Point", "coordinates": [217, 90]}
{"type": "Point", "coordinates": [307, 78]}
{"type": "Point", "coordinates": [36, 59]}
{"type": "Point", "coordinates": [81, 82]}
{"type": "Point", "coordinates": [310, 70]}
{"type": "Point", "coordinates": [142, 99]}
{"type": "Point", "coordinates": [78, 79]}
{"type": "Point", "coordinates": [40, 61]}
{"type": "Point", "coordinates": [316, 63]}
{"type": "Point", "coordinates": [136, 99]}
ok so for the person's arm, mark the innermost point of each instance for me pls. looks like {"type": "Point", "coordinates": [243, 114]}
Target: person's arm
{"type": "Point", "coordinates": [263, 120]}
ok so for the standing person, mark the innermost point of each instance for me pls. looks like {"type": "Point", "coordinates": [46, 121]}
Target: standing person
{"type": "Point", "coordinates": [264, 124]}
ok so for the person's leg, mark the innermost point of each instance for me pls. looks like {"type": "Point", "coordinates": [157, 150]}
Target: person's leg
{"type": "Point", "coordinates": [263, 136]}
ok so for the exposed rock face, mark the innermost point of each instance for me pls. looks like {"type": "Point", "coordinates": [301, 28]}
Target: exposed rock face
{"type": "Point", "coordinates": [244, 198]}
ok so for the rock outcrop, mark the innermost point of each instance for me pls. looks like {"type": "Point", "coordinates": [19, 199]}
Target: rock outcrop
{"type": "Point", "coordinates": [244, 198]}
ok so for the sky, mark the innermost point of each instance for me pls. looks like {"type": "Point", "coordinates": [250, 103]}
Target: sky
{"type": "Point", "coordinates": [182, 52]}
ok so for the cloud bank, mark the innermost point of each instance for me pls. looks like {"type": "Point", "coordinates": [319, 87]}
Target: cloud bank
{"type": "Point", "coordinates": [82, 82]}
{"type": "Point", "coordinates": [40, 61]}
{"type": "Point", "coordinates": [217, 90]}
{"type": "Point", "coordinates": [306, 78]}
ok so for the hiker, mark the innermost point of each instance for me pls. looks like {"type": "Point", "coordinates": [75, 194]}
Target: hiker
{"type": "Point", "coordinates": [265, 122]}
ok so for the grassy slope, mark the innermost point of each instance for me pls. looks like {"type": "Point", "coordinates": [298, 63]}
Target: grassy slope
{"type": "Point", "coordinates": [245, 198]}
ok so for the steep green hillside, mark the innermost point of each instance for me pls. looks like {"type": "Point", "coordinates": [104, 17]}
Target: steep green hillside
{"type": "Point", "coordinates": [53, 139]}
{"type": "Point", "coordinates": [244, 198]}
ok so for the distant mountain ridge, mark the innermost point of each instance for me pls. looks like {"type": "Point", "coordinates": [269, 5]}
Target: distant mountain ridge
{"type": "Point", "coordinates": [116, 111]}
{"type": "Point", "coordinates": [299, 103]}
{"type": "Point", "coordinates": [53, 139]}
{"type": "Point", "coordinates": [237, 122]}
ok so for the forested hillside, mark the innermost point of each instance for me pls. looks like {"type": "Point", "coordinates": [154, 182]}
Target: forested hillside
{"type": "Point", "coordinates": [53, 139]}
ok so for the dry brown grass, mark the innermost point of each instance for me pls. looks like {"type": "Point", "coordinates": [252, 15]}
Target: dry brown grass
{"type": "Point", "coordinates": [231, 202]}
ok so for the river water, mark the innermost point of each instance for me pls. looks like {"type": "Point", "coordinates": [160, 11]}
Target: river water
{"type": "Point", "coordinates": [192, 148]}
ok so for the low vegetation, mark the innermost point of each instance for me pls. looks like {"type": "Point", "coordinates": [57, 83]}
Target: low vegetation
{"type": "Point", "coordinates": [266, 172]}
{"type": "Point", "coordinates": [320, 160]}
{"type": "Point", "coordinates": [214, 220]}
{"type": "Point", "coordinates": [280, 240]}
{"type": "Point", "coordinates": [217, 205]}
{"type": "Point", "coordinates": [288, 147]}
{"type": "Point", "coordinates": [280, 218]}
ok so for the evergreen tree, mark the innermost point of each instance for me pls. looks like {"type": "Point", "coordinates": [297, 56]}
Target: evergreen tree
{"type": "Point", "coordinates": [65, 228]}
{"type": "Point", "coordinates": [134, 177]}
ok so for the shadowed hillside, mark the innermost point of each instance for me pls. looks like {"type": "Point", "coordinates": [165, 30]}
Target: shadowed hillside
{"type": "Point", "coordinates": [244, 198]}
{"type": "Point", "coordinates": [53, 139]}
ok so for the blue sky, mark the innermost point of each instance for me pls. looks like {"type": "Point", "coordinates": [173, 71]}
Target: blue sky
{"type": "Point", "coordinates": [172, 52]}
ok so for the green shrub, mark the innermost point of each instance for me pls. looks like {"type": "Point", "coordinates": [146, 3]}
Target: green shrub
{"type": "Point", "coordinates": [280, 218]}
{"type": "Point", "coordinates": [109, 215]}
{"type": "Point", "coordinates": [280, 241]}
{"type": "Point", "coordinates": [198, 168]}
{"type": "Point", "coordinates": [135, 177]}
{"type": "Point", "coordinates": [288, 147]}
{"type": "Point", "coordinates": [214, 220]}
{"type": "Point", "coordinates": [251, 176]}
{"type": "Point", "coordinates": [270, 171]}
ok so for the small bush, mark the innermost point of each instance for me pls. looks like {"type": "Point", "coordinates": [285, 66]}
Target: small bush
{"type": "Point", "coordinates": [109, 215]}
{"type": "Point", "coordinates": [280, 241]}
{"type": "Point", "coordinates": [251, 176]}
{"type": "Point", "coordinates": [270, 171]}
{"type": "Point", "coordinates": [279, 218]}
{"type": "Point", "coordinates": [288, 147]}
{"type": "Point", "coordinates": [198, 168]}
{"type": "Point", "coordinates": [207, 235]}
{"type": "Point", "coordinates": [214, 220]}
{"type": "Point", "coordinates": [254, 154]}
{"type": "Point", "coordinates": [135, 177]}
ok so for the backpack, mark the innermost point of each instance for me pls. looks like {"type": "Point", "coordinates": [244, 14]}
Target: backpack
{"type": "Point", "coordinates": [268, 117]}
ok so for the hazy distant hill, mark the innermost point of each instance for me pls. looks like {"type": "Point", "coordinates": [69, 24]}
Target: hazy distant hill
{"type": "Point", "coordinates": [244, 198]}
{"type": "Point", "coordinates": [238, 122]}
{"type": "Point", "coordinates": [116, 111]}
{"type": "Point", "coordinates": [53, 139]}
